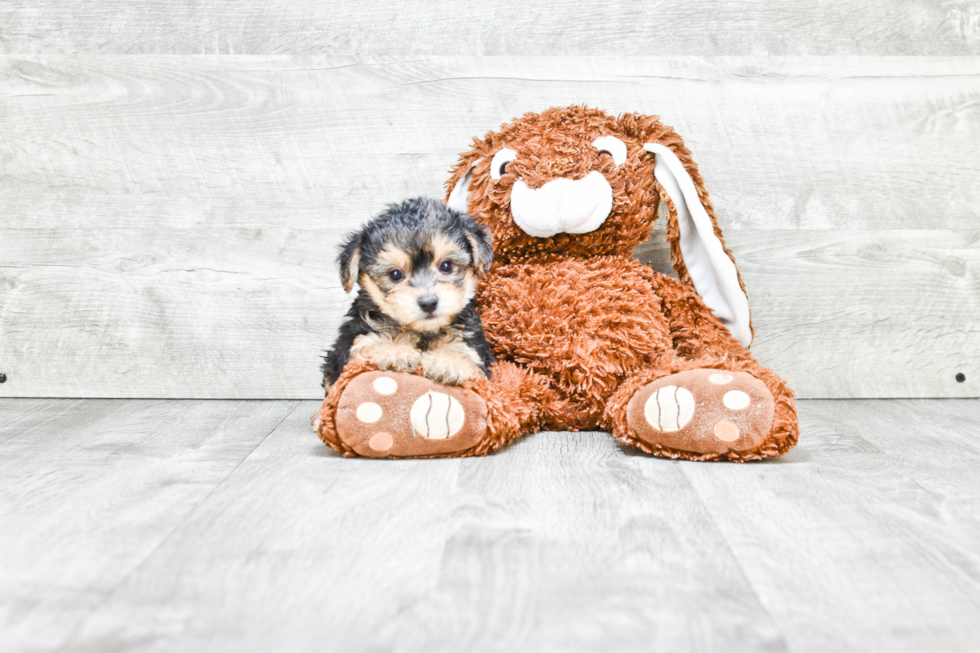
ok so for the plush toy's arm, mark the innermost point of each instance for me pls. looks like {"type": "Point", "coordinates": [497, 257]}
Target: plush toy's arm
{"type": "Point", "coordinates": [693, 326]}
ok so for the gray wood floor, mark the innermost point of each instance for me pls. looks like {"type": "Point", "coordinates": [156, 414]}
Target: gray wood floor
{"type": "Point", "coordinates": [156, 525]}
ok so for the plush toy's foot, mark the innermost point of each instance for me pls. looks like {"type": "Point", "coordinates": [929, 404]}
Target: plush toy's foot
{"type": "Point", "coordinates": [398, 415]}
{"type": "Point", "coordinates": [703, 411]}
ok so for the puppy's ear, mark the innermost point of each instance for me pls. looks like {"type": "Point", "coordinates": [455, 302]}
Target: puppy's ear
{"type": "Point", "coordinates": [482, 245]}
{"type": "Point", "coordinates": [349, 261]}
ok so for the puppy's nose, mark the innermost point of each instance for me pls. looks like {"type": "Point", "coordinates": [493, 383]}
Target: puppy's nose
{"type": "Point", "coordinates": [428, 303]}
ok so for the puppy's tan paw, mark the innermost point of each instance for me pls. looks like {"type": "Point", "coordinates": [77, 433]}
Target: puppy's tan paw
{"type": "Point", "coordinates": [395, 357]}
{"type": "Point", "coordinates": [449, 368]}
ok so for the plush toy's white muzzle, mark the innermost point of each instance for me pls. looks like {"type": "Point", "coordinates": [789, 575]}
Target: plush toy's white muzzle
{"type": "Point", "coordinates": [572, 206]}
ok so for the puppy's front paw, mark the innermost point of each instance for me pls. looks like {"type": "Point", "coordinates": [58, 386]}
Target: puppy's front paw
{"type": "Point", "coordinates": [449, 368]}
{"type": "Point", "coordinates": [395, 357]}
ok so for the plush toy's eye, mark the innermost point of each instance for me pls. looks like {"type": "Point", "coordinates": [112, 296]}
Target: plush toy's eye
{"type": "Point", "coordinates": [498, 166]}
{"type": "Point", "coordinates": [396, 275]}
{"type": "Point", "coordinates": [612, 146]}
{"type": "Point", "coordinates": [446, 267]}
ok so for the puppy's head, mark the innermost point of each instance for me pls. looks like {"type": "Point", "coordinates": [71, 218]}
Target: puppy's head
{"type": "Point", "coordinates": [419, 261]}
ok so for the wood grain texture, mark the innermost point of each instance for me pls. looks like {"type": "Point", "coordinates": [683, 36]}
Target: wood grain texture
{"type": "Point", "coordinates": [861, 534]}
{"type": "Point", "coordinates": [132, 536]}
{"type": "Point", "coordinates": [244, 313]}
{"type": "Point", "coordinates": [91, 489]}
{"type": "Point", "coordinates": [170, 222]}
{"type": "Point", "coordinates": [508, 553]}
{"type": "Point", "coordinates": [702, 27]}
{"type": "Point", "coordinates": [167, 312]}
{"type": "Point", "coordinates": [832, 143]}
{"type": "Point", "coordinates": [856, 313]}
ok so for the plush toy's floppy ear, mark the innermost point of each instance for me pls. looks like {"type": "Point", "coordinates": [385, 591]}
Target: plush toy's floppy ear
{"type": "Point", "coordinates": [349, 261]}
{"type": "Point", "coordinates": [697, 249]}
{"type": "Point", "coordinates": [459, 183]}
{"type": "Point", "coordinates": [459, 196]}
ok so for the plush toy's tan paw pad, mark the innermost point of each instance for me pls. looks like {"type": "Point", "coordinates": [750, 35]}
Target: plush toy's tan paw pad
{"type": "Point", "coordinates": [392, 414]}
{"type": "Point", "coordinates": [703, 411]}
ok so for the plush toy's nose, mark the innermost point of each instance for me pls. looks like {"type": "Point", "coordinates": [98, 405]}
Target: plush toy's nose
{"type": "Point", "coordinates": [574, 206]}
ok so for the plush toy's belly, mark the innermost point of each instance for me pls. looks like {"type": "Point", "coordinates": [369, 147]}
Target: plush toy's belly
{"type": "Point", "coordinates": [585, 323]}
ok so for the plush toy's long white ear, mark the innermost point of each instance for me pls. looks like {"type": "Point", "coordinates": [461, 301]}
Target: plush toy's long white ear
{"type": "Point", "coordinates": [459, 198]}
{"type": "Point", "coordinates": [708, 264]}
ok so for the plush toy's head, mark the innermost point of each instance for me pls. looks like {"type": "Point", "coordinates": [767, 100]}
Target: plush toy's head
{"type": "Point", "coordinates": [574, 181]}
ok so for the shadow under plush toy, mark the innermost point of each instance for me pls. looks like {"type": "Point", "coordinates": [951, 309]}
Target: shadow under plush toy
{"type": "Point", "coordinates": [584, 335]}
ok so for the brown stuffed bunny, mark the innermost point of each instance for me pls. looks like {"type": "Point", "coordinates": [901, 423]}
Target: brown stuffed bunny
{"type": "Point", "coordinates": [585, 336]}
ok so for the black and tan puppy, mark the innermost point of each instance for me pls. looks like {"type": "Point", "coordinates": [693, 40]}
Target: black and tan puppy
{"type": "Point", "coordinates": [417, 265]}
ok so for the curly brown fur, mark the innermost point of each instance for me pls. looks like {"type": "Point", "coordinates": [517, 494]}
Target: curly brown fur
{"type": "Point", "coordinates": [558, 143]}
{"type": "Point", "coordinates": [553, 144]}
{"type": "Point", "coordinates": [584, 323]}
{"type": "Point", "coordinates": [575, 308]}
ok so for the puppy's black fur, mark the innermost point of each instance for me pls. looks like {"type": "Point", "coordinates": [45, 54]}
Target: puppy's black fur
{"type": "Point", "coordinates": [409, 230]}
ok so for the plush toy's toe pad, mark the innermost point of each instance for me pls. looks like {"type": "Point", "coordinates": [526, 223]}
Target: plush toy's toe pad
{"type": "Point", "coordinates": [703, 411]}
{"type": "Point", "coordinates": [393, 414]}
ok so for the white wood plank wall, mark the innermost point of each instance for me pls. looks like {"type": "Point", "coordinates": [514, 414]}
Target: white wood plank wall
{"type": "Point", "coordinates": [519, 27]}
{"type": "Point", "coordinates": [168, 223]}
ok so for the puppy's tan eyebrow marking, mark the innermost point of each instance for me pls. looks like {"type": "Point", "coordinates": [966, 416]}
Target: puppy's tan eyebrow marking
{"type": "Point", "coordinates": [444, 248]}
{"type": "Point", "coordinates": [395, 257]}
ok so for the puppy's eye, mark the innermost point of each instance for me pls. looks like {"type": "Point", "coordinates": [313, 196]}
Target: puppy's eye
{"type": "Point", "coordinates": [601, 152]}
{"type": "Point", "coordinates": [498, 166]}
{"type": "Point", "coordinates": [446, 267]}
{"type": "Point", "coordinates": [396, 275]}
